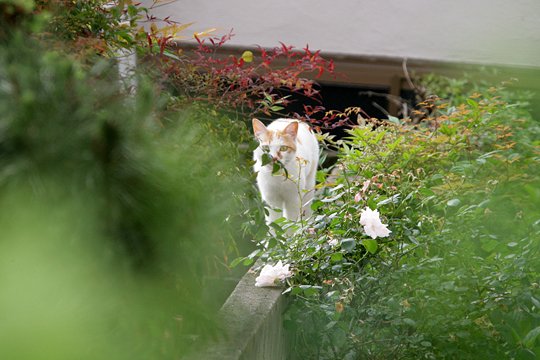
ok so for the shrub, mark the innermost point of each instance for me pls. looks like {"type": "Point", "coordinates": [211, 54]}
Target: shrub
{"type": "Point", "coordinates": [457, 278]}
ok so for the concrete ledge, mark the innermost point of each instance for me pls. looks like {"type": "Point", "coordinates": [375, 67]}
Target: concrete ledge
{"type": "Point", "coordinates": [252, 321]}
{"type": "Point", "coordinates": [373, 70]}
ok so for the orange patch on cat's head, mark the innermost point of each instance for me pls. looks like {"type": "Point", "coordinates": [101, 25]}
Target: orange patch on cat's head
{"type": "Point", "coordinates": [286, 139]}
{"type": "Point", "coordinates": [266, 136]}
{"type": "Point", "coordinates": [289, 134]}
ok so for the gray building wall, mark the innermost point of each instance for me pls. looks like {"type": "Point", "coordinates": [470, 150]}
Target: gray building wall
{"type": "Point", "coordinates": [500, 32]}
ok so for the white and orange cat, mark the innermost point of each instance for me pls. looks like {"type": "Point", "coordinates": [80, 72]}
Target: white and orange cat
{"type": "Point", "coordinates": [292, 143]}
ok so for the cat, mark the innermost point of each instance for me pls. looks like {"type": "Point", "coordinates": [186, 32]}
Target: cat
{"type": "Point", "coordinates": [292, 143]}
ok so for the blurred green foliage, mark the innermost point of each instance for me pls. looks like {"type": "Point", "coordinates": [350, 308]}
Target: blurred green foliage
{"type": "Point", "coordinates": [115, 211]}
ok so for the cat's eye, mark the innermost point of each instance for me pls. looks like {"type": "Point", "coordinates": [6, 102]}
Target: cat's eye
{"type": "Point", "coordinates": [284, 148]}
{"type": "Point", "coordinates": [265, 148]}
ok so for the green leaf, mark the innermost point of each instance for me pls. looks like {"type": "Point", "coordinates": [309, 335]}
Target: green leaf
{"type": "Point", "coordinates": [348, 244]}
{"type": "Point", "coordinates": [266, 159]}
{"type": "Point", "coordinates": [236, 261]}
{"type": "Point", "coordinates": [336, 257]}
{"type": "Point", "coordinates": [321, 176]}
{"type": "Point", "coordinates": [472, 103]}
{"type": "Point", "coordinates": [437, 177]}
{"type": "Point", "coordinates": [296, 290]}
{"type": "Point", "coordinates": [371, 202]}
{"type": "Point", "coordinates": [171, 55]}
{"type": "Point", "coordinates": [132, 11]}
{"type": "Point", "coordinates": [530, 338]}
{"type": "Point", "coordinates": [426, 191]}
{"type": "Point", "coordinates": [316, 205]}
{"type": "Point", "coordinates": [310, 290]}
{"type": "Point", "coordinates": [272, 243]}
{"type": "Point", "coordinates": [370, 245]}
{"type": "Point", "coordinates": [378, 137]}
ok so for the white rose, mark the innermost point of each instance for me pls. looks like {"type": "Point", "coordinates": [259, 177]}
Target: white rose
{"type": "Point", "coordinates": [372, 224]}
{"type": "Point", "coordinates": [272, 275]}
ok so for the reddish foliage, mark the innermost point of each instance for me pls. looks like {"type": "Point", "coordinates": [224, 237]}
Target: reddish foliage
{"type": "Point", "coordinates": [251, 86]}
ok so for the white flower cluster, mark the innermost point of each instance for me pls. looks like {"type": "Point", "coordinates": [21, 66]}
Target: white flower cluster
{"type": "Point", "coordinates": [272, 275]}
{"type": "Point", "coordinates": [372, 224]}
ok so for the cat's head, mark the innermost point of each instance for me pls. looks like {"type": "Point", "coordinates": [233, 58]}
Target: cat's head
{"type": "Point", "coordinates": [279, 144]}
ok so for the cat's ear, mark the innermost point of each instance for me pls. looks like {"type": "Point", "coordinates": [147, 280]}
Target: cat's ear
{"type": "Point", "coordinates": [258, 128]}
{"type": "Point", "coordinates": [291, 129]}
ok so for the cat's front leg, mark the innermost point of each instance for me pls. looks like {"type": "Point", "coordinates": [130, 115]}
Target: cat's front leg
{"type": "Point", "coordinates": [292, 209]}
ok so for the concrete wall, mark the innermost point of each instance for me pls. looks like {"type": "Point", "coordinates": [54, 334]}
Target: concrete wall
{"type": "Point", "coordinates": [498, 32]}
{"type": "Point", "coordinates": [252, 325]}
